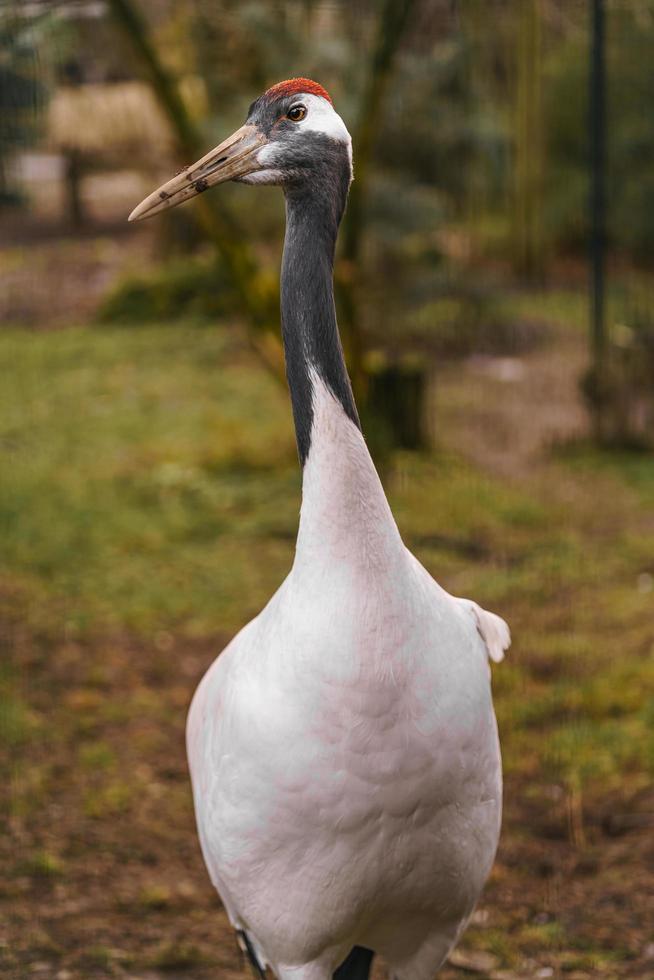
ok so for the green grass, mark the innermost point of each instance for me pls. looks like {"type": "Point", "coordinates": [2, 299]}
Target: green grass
{"type": "Point", "coordinates": [142, 468]}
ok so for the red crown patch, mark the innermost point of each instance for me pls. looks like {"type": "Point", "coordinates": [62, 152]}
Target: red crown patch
{"type": "Point", "coordinates": [293, 85]}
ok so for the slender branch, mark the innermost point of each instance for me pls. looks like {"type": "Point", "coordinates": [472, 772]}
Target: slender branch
{"type": "Point", "coordinates": [220, 226]}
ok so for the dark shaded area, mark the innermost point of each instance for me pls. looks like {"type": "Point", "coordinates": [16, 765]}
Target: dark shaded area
{"type": "Point", "coordinates": [356, 966]}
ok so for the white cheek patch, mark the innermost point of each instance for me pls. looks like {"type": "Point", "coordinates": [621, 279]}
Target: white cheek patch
{"type": "Point", "coordinates": [322, 118]}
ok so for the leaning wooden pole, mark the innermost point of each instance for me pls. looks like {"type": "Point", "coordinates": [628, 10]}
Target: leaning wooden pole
{"type": "Point", "coordinates": [219, 225]}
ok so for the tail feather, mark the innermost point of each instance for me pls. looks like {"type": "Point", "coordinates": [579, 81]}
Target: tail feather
{"type": "Point", "coordinates": [244, 941]}
{"type": "Point", "coordinates": [356, 966]}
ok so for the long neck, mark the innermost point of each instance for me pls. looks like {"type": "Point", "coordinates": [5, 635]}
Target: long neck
{"type": "Point", "coordinates": [311, 339]}
{"type": "Point", "coordinates": [345, 515]}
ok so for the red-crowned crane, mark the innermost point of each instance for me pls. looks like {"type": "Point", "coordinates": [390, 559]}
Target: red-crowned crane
{"type": "Point", "coordinates": [343, 748]}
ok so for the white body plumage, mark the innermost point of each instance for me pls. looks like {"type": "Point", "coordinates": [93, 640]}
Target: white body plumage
{"type": "Point", "coordinates": [343, 748]}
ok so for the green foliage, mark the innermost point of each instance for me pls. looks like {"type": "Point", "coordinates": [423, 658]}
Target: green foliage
{"type": "Point", "coordinates": [468, 320]}
{"type": "Point", "coordinates": [630, 133]}
{"type": "Point", "coordinates": [156, 453]}
{"type": "Point", "coordinates": [439, 130]}
{"type": "Point", "coordinates": [194, 288]}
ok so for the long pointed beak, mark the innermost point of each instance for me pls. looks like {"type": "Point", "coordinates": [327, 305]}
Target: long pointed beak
{"type": "Point", "coordinates": [235, 157]}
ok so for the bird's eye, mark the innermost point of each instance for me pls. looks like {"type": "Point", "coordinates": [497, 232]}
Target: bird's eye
{"type": "Point", "coordinates": [296, 112]}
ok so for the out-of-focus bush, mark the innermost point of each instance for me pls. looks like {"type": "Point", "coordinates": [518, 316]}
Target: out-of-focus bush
{"type": "Point", "coordinates": [21, 92]}
{"type": "Point", "coordinates": [469, 319]}
{"type": "Point", "coordinates": [630, 135]}
{"type": "Point", "coordinates": [194, 288]}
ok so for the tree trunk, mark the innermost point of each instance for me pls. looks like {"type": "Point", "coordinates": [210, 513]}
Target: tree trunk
{"type": "Point", "coordinates": [73, 183]}
{"type": "Point", "coordinates": [528, 145]}
{"type": "Point", "coordinates": [397, 406]}
{"type": "Point", "coordinates": [391, 25]}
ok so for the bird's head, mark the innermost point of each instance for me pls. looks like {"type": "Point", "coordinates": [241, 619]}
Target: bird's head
{"type": "Point", "coordinates": [292, 136]}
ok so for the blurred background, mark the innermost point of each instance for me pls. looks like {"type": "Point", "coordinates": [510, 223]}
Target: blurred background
{"type": "Point", "coordinates": [495, 294]}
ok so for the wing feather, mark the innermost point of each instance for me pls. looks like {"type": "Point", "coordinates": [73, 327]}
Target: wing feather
{"type": "Point", "coordinates": [494, 632]}
{"type": "Point", "coordinates": [492, 629]}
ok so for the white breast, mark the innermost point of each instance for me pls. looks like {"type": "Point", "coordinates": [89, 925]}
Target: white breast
{"type": "Point", "coordinates": [343, 749]}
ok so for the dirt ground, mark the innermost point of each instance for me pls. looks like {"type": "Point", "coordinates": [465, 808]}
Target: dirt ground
{"type": "Point", "coordinates": [104, 878]}
{"type": "Point", "coordinates": [129, 897]}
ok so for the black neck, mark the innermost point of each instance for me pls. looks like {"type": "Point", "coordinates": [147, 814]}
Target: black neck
{"type": "Point", "coordinates": [309, 329]}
